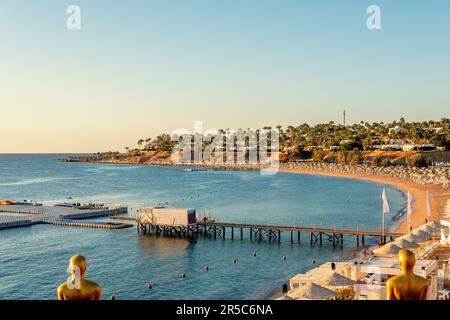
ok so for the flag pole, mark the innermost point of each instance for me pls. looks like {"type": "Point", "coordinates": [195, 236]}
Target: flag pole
{"type": "Point", "coordinates": [382, 217]}
{"type": "Point", "coordinates": [383, 212]}
{"type": "Point", "coordinates": [382, 223]}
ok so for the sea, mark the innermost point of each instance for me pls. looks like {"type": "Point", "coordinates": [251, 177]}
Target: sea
{"type": "Point", "coordinates": [34, 260]}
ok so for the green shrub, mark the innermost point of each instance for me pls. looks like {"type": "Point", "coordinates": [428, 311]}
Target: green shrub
{"type": "Point", "coordinates": [385, 162]}
{"type": "Point", "coordinates": [376, 161]}
{"type": "Point", "coordinates": [355, 156]}
{"type": "Point", "coordinates": [417, 161]}
{"type": "Point", "coordinates": [318, 155]}
{"type": "Point", "coordinates": [345, 294]}
{"type": "Point", "coordinates": [341, 157]}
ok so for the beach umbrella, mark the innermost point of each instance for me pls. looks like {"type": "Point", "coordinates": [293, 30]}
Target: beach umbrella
{"type": "Point", "coordinates": [429, 229]}
{"type": "Point", "coordinates": [388, 249]}
{"type": "Point", "coordinates": [285, 298]}
{"type": "Point", "coordinates": [436, 225]}
{"type": "Point", "coordinates": [312, 291]}
{"type": "Point", "coordinates": [403, 243]}
{"type": "Point", "coordinates": [334, 279]}
{"type": "Point", "coordinates": [422, 234]}
{"type": "Point", "coordinates": [412, 238]}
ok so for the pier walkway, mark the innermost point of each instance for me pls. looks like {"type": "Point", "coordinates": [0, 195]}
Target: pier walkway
{"type": "Point", "coordinates": [317, 233]}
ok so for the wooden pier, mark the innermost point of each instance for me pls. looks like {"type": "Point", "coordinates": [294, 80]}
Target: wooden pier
{"type": "Point", "coordinates": [270, 233]}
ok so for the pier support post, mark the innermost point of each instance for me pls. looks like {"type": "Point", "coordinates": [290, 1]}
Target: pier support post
{"type": "Point", "coordinates": [357, 240]}
{"type": "Point", "coordinates": [292, 236]}
{"type": "Point", "coordinates": [298, 237]}
{"type": "Point", "coordinates": [270, 235]}
{"type": "Point", "coordinates": [311, 238]}
{"type": "Point", "coordinates": [334, 240]}
{"type": "Point", "coordinates": [260, 234]}
{"type": "Point", "coordinates": [215, 232]}
{"type": "Point", "coordinates": [320, 239]}
{"type": "Point", "coordinates": [232, 233]}
{"type": "Point", "coordinates": [342, 240]}
{"type": "Point", "coordinates": [251, 234]}
{"type": "Point", "coordinates": [242, 234]}
{"type": "Point", "coordinates": [362, 239]}
{"type": "Point", "coordinates": [279, 236]}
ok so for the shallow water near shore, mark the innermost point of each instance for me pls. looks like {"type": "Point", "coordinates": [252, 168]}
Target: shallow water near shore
{"type": "Point", "coordinates": [33, 260]}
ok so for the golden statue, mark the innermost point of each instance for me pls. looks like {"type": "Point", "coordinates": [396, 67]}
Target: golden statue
{"type": "Point", "coordinates": [407, 285]}
{"type": "Point", "coordinates": [77, 287]}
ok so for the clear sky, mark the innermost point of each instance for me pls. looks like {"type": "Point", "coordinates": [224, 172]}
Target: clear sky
{"type": "Point", "coordinates": [138, 68]}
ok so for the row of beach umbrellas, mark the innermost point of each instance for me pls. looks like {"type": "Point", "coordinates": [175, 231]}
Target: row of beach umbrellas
{"type": "Point", "coordinates": [323, 288]}
{"type": "Point", "coordinates": [412, 240]}
{"type": "Point", "coordinates": [446, 213]}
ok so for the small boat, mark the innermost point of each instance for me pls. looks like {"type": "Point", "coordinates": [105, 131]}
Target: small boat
{"type": "Point", "coordinates": [29, 203]}
{"type": "Point", "coordinates": [195, 169]}
{"type": "Point", "coordinates": [78, 205]}
{"type": "Point", "coordinates": [24, 203]}
{"type": "Point", "coordinates": [7, 203]}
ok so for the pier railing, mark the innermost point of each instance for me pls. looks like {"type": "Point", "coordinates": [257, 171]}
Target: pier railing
{"type": "Point", "coordinates": [307, 225]}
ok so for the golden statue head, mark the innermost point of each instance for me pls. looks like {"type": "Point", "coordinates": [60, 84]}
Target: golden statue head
{"type": "Point", "coordinates": [407, 285]}
{"type": "Point", "coordinates": [407, 260]}
{"type": "Point", "coordinates": [78, 262]}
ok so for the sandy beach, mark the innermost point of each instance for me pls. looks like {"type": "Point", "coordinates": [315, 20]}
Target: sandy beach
{"type": "Point", "coordinates": [438, 198]}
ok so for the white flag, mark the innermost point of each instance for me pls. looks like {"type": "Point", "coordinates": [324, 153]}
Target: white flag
{"type": "Point", "coordinates": [409, 214]}
{"type": "Point", "coordinates": [428, 206]}
{"type": "Point", "coordinates": [386, 208]}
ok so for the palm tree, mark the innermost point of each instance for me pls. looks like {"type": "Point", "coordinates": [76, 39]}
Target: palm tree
{"type": "Point", "coordinates": [147, 141]}
{"type": "Point", "coordinates": [446, 123]}
{"type": "Point", "coordinates": [140, 142]}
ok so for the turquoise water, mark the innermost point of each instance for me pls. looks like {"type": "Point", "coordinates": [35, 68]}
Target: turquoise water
{"type": "Point", "coordinates": [33, 260]}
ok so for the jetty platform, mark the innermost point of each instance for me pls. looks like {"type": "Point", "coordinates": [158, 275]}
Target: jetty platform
{"type": "Point", "coordinates": [84, 224]}
{"type": "Point", "coordinates": [320, 234]}
{"type": "Point", "coordinates": [28, 215]}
